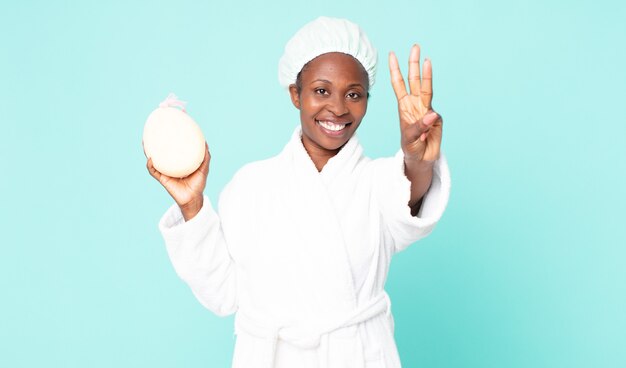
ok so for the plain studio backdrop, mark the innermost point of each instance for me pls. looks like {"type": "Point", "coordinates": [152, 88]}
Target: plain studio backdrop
{"type": "Point", "coordinates": [527, 267]}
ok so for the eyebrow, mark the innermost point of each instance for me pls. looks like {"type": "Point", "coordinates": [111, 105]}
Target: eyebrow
{"type": "Point", "coordinates": [329, 82]}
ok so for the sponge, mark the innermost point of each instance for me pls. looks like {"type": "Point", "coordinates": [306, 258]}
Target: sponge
{"type": "Point", "coordinates": [173, 139]}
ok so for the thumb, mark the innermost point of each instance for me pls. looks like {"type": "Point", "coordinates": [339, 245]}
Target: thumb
{"type": "Point", "coordinates": [419, 130]}
{"type": "Point", "coordinates": [429, 119]}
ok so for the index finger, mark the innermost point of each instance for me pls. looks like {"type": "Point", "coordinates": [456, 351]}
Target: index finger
{"type": "Point", "coordinates": [152, 170]}
{"type": "Point", "coordinates": [397, 82]}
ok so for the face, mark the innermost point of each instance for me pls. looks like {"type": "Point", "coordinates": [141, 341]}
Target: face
{"type": "Point", "coordinates": [332, 101]}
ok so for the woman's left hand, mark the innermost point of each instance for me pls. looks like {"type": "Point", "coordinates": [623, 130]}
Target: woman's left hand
{"type": "Point", "coordinates": [421, 127]}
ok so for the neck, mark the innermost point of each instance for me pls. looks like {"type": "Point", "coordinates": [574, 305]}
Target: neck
{"type": "Point", "coordinates": [319, 155]}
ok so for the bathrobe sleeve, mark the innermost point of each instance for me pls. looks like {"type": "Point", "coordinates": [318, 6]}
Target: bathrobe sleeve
{"type": "Point", "coordinates": [199, 253]}
{"type": "Point", "coordinates": [393, 191]}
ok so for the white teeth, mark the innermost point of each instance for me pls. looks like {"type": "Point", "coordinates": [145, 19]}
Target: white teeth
{"type": "Point", "coordinates": [332, 126]}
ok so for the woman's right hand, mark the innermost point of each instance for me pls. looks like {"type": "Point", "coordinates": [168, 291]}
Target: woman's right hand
{"type": "Point", "coordinates": [188, 191]}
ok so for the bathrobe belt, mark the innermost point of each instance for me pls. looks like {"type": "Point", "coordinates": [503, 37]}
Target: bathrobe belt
{"type": "Point", "coordinates": [311, 337]}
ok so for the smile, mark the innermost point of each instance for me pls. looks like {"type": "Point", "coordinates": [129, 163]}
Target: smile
{"type": "Point", "coordinates": [333, 127]}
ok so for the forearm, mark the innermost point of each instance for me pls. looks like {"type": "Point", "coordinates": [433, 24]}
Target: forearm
{"type": "Point", "coordinates": [420, 174]}
{"type": "Point", "coordinates": [199, 254]}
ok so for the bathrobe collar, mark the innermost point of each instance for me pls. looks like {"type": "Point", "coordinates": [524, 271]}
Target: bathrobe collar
{"type": "Point", "coordinates": [340, 165]}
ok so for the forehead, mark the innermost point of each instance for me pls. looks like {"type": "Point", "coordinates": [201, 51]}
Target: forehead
{"type": "Point", "coordinates": [335, 66]}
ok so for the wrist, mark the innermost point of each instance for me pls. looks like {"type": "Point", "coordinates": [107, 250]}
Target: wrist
{"type": "Point", "coordinates": [418, 164]}
{"type": "Point", "coordinates": [191, 208]}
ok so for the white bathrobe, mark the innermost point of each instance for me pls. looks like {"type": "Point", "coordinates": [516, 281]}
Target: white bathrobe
{"type": "Point", "coordinates": [302, 256]}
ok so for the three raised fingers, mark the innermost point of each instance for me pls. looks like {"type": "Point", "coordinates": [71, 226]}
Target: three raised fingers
{"type": "Point", "coordinates": [419, 85]}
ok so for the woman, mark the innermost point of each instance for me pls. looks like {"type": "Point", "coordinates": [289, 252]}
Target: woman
{"type": "Point", "coordinates": [302, 244]}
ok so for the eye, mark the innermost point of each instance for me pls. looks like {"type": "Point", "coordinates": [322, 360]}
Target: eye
{"type": "Point", "coordinates": [354, 95]}
{"type": "Point", "coordinates": [321, 91]}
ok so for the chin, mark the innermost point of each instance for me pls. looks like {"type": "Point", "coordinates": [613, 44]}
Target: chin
{"type": "Point", "coordinates": [328, 143]}
{"type": "Point", "coordinates": [333, 146]}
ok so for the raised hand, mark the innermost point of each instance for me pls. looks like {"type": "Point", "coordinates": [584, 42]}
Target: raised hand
{"type": "Point", "coordinates": [420, 126]}
{"type": "Point", "coordinates": [187, 191]}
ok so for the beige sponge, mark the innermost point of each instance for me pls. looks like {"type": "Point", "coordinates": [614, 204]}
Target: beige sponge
{"type": "Point", "coordinates": [174, 142]}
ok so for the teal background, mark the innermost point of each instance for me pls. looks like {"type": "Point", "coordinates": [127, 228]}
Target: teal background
{"type": "Point", "coordinates": [527, 268]}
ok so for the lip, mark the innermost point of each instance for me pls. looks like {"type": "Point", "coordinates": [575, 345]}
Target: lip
{"type": "Point", "coordinates": [333, 133]}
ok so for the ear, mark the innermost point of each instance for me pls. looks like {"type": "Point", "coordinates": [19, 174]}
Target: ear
{"type": "Point", "coordinates": [295, 96]}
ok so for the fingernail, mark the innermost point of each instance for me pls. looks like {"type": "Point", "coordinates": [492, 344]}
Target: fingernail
{"type": "Point", "coordinates": [430, 117]}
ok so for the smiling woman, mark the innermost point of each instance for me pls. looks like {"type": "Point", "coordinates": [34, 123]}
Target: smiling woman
{"type": "Point", "coordinates": [331, 94]}
{"type": "Point", "coordinates": [301, 244]}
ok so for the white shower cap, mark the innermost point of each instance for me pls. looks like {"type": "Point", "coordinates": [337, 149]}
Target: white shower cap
{"type": "Point", "coordinates": [321, 36]}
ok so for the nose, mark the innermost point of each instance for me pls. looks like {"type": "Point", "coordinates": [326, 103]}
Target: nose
{"type": "Point", "coordinates": [337, 105]}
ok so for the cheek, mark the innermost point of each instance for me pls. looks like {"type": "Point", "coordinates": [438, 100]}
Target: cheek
{"type": "Point", "coordinates": [359, 110]}
{"type": "Point", "coordinates": [311, 107]}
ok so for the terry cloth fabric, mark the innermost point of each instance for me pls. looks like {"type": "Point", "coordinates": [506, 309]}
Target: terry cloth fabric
{"type": "Point", "coordinates": [302, 256]}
